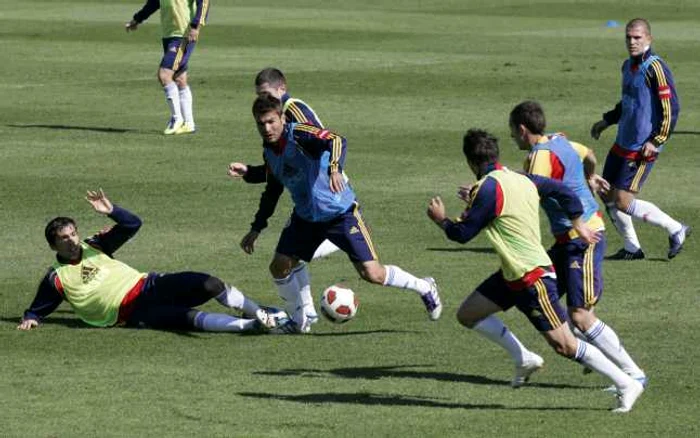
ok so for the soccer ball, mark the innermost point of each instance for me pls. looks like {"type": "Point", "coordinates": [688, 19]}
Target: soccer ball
{"type": "Point", "coordinates": [339, 304]}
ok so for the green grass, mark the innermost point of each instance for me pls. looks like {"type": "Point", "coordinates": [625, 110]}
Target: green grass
{"type": "Point", "coordinates": [81, 109]}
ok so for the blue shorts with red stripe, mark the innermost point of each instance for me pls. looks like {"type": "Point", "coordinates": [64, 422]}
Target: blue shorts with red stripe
{"type": "Point", "coordinates": [538, 302]}
{"type": "Point", "coordinates": [349, 232]}
{"type": "Point", "coordinates": [176, 53]}
{"type": "Point", "coordinates": [579, 268]}
{"type": "Point", "coordinates": [627, 170]}
{"type": "Point", "coordinates": [167, 300]}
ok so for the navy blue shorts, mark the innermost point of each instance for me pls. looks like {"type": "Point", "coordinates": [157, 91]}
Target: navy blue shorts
{"type": "Point", "coordinates": [626, 173]}
{"type": "Point", "coordinates": [579, 268]}
{"type": "Point", "coordinates": [539, 302]}
{"type": "Point", "coordinates": [167, 300]}
{"type": "Point", "coordinates": [176, 53]}
{"type": "Point", "coordinates": [349, 232]}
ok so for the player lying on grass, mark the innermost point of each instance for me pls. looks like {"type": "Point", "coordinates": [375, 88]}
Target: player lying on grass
{"type": "Point", "coordinates": [105, 292]}
{"type": "Point", "coordinates": [309, 161]}
{"type": "Point", "coordinates": [505, 205]}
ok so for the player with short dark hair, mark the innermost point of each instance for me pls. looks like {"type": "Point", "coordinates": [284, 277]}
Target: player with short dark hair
{"type": "Point", "coordinates": [309, 162]}
{"type": "Point", "coordinates": [105, 292]}
{"type": "Point", "coordinates": [578, 264]}
{"type": "Point", "coordinates": [645, 117]}
{"type": "Point", "coordinates": [505, 205]}
{"type": "Point", "coordinates": [181, 22]}
{"type": "Point", "coordinates": [272, 81]}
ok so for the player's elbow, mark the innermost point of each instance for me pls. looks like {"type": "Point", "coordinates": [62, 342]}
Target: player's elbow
{"type": "Point", "coordinates": [136, 225]}
{"type": "Point", "coordinates": [458, 237]}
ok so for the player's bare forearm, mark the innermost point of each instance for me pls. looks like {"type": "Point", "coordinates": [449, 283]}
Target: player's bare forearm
{"type": "Point", "coordinates": [589, 164]}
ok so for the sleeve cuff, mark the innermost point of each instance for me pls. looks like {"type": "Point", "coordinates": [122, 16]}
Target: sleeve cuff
{"type": "Point", "coordinates": [445, 223]}
{"type": "Point", "coordinates": [30, 315]}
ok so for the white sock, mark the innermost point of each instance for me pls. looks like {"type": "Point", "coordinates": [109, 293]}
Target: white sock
{"type": "Point", "coordinates": [493, 329]}
{"type": "Point", "coordinates": [288, 290]}
{"type": "Point", "coordinates": [397, 277]}
{"type": "Point", "coordinates": [625, 227]}
{"type": "Point", "coordinates": [186, 104]}
{"type": "Point", "coordinates": [605, 338]}
{"type": "Point", "coordinates": [233, 298]}
{"type": "Point", "coordinates": [220, 322]}
{"type": "Point", "coordinates": [301, 276]}
{"type": "Point", "coordinates": [172, 98]}
{"type": "Point", "coordinates": [648, 212]}
{"type": "Point", "coordinates": [590, 356]}
{"type": "Point", "coordinates": [327, 247]}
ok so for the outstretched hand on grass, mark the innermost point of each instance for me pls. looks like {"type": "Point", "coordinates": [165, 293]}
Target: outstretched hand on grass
{"type": "Point", "coordinates": [131, 26]}
{"type": "Point", "coordinates": [28, 324]}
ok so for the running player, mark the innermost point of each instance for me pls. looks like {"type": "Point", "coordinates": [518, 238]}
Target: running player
{"type": "Point", "coordinates": [578, 264]}
{"type": "Point", "coordinates": [309, 162]}
{"type": "Point", "coordinates": [505, 205]}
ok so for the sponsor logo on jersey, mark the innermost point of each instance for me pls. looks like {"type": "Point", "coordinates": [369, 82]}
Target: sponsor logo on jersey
{"type": "Point", "coordinates": [87, 273]}
{"type": "Point", "coordinates": [354, 230]}
{"type": "Point", "coordinates": [575, 265]}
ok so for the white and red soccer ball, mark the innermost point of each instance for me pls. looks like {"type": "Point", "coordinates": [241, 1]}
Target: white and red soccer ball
{"type": "Point", "coordinates": [339, 304]}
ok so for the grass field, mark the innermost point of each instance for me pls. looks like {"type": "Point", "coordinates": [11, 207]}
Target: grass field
{"type": "Point", "coordinates": [80, 108]}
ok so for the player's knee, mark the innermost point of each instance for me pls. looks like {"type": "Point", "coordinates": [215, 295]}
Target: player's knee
{"type": "Point", "coordinates": [181, 81]}
{"type": "Point", "coordinates": [280, 268]}
{"type": "Point", "coordinates": [621, 204]}
{"type": "Point", "coordinates": [466, 318]}
{"type": "Point", "coordinates": [563, 348]}
{"type": "Point", "coordinates": [373, 274]}
{"type": "Point", "coordinates": [582, 318]}
{"type": "Point", "coordinates": [214, 286]}
{"type": "Point", "coordinates": [165, 76]}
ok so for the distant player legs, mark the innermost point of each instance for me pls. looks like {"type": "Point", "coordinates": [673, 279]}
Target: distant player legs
{"type": "Point", "coordinates": [172, 75]}
{"type": "Point", "coordinates": [645, 211]}
{"type": "Point", "coordinates": [166, 77]}
{"type": "Point", "coordinates": [185, 99]}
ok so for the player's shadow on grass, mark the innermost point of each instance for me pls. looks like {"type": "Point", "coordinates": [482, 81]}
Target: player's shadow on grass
{"type": "Point", "coordinates": [356, 333]}
{"type": "Point", "coordinates": [464, 249]}
{"type": "Point", "coordinates": [75, 323]}
{"type": "Point", "coordinates": [398, 371]}
{"type": "Point", "coordinates": [686, 132]}
{"type": "Point", "coordinates": [369, 399]}
{"type": "Point", "coordinates": [57, 320]}
{"type": "Point", "coordinates": [76, 128]}
{"type": "Point", "coordinates": [648, 259]}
